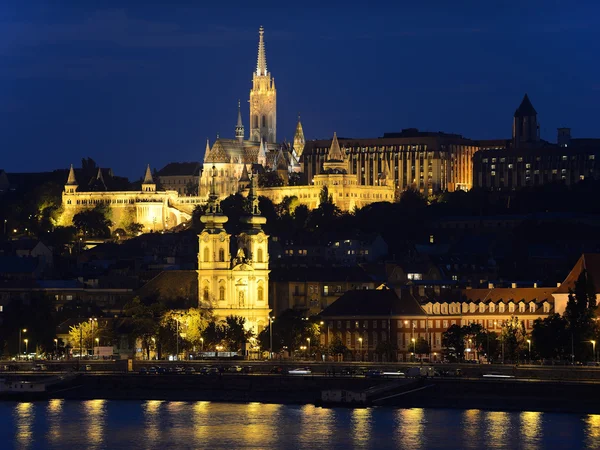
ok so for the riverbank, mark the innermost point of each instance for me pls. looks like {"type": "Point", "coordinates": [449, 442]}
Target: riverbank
{"type": "Point", "coordinates": [501, 395]}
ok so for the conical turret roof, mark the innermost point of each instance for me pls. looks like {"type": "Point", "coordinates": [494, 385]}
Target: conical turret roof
{"type": "Point", "coordinates": [525, 109]}
{"type": "Point", "coordinates": [148, 176]}
{"type": "Point", "coordinates": [245, 176]}
{"type": "Point", "coordinates": [335, 153]}
{"type": "Point", "coordinates": [71, 181]}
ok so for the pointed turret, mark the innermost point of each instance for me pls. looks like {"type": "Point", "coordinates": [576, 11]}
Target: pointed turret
{"type": "Point", "coordinates": [299, 139]}
{"type": "Point", "coordinates": [244, 180]}
{"type": "Point", "coordinates": [255, 219]}
{"type": "Point", "coordinates": [262, 154]}
{"type": "Point", "coordinates": [148, 185]}
{"type": "Point", "coordinates": [97, 183]}
{"type": "Point", "coordinates": [71, 185]}
{"type": "Point", "coordinates": [207, 157]}
{"type": "Point", "coordinates": [213, 217]}
{"type": "Point", "coordinates": [526, 130]}
{"type": "Point", "coordinates": [239, 128]}
{"type": "Point", "coordinates": [261, 63]}
{"type": "Point", "coordinates": [335, 153]}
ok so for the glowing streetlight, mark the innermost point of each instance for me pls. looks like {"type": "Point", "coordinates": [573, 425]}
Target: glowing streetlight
{"type": "Point", "coordinates": [414, 346]}
{"type": "Point", "coordinates": [594, 349]}
{"type": "Point", "coordinates": [24, 330]}
{"type": "Point", "coordinates": [202, 344]}
{"type": "Point", "coordinates": [56, 345]}
{"type": "Point", "coordinates": [308, 340]}
{"type": "Point", "coordinates": [26, 344]}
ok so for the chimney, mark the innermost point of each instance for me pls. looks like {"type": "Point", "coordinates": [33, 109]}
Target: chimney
{"type": "Point", "coordinates": [513, 285]}
{"type": "Point", "coordinates": [490, 285]}
{"type": "Point", "coordinates": [564, 137]}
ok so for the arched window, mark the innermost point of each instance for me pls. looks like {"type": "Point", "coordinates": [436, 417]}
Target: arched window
{"type": "Point", "coordinates": [222, 293]}
{"type": "Point", "coordinates": [260, 293]}
{"type": "Point", "coordinates": [264, 121]}
{"type": "Point", "coordinates": [221, 255]}
{"type": "Point", "coordinates": [205, 293]}
{"type": "Point", "coordinates": [254, 121]}
{"type": "Point", "coordinates": [259, 255]}
{"type": "Point", "coordinates": [206, 254]}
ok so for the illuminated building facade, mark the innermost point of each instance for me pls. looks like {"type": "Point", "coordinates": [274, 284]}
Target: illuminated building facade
{"type": "Point", "coordinates": [237, 286]}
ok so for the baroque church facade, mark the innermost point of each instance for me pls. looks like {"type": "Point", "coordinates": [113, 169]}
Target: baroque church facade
{"type": "Point", "coordinates": [234, 286]}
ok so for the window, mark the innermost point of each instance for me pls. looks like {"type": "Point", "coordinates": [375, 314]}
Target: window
{"type": "Point", "coordinates": [261, 293]}
{"type": "Point", "coordinates": [259, 255]}
{"type": "Point", "coordinates": [221, 255]}
{"type": "Point", "coordinates": [366, 324]}
{"type": "Point", "coordinates": [339, 324]}
{"type": "Point", "coordinates": [511, 307]}
{"type": "Point", "coordinates": [521, 307]}
{"type": "Point", "coordinates": [414, 276]}
{"type": "Point", "coordinates": [501, 307]}
{"type": "Point", "coordinates": [383, 324]}
{"type": "Point", "coordinates": [492, 307]}
{"type": "Point", "coordinates": [445, 324]}
{"type": "Point", "coordinates": [69, 297]}
{"type": "Point", "coordinates": [205, 294]}
{"type": "Point", "coordinates": [347, 324]}
{"type": "Point", "coordinates": [222, 293]}
{"type": "Point", "coordinates": [206, 253]}
{"type": "Point", "coordinates": [546, 308]}
{"type": "Point", "coordinates": [532, 307]}
{"type": "Point", "coordinates": [325, 290]}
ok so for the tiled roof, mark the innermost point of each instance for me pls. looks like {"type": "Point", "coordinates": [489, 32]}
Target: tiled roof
{"type": "Point", "coordinates": [589, 262]}
{"type": "Point", "coordinates": [180, 169]}
{"type": "Point", "coordinates": [380, 302]}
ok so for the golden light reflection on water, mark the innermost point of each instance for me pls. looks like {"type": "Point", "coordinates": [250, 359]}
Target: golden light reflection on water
{"type": "Point", "coordinates": [531, 428]}
{"type": "Point", "coordinates": [471, 424]}
{"type": "Point", "coordinates": [361, 426]}
{"type": "Point", "coordinates": [316, 426]}
{"type": "Point", "coordinates": [498, 424]}
{"type": "Point", "coordinates": [24, 420]}
{"type": "Point", "coordinates": [95, 411]}
{"type": "Point", "coordinates": [200, 419]}
{"type": "Point", "coordinates": [54, 412]}
{"type": "Point", "coordinates": [259, 429]}
{"type": "Point", "coordinates": [410, 427]}
{"type": "Point", "coordinates": [592, 430]}
{"type": "Point", "coordinates": [152, 417]}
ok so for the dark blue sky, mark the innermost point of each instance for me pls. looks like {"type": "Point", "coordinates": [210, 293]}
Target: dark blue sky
{"type": "Point", "coordinates": [134, 82]}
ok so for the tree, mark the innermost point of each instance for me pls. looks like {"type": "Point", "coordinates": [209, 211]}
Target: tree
{"type": "Point", "coordinates": [580, 315]}
{"type": "Point", "coordinates": [133, 229]}
{"type": "Point", "coordinates": [454, 343]}
{"type": "Point", "coordinates": [213, 335]}
{"type": "Point", "coordinates": [291, 329]}
{"type": "Point", "coordinates": [514, 338]}
{"type": "Point", "coordinates": [422, 347]}
{"type": "Point", "coordinates": [145, 320]}
{"type": "Point", "coordinates": [550, 337]}
{"type": "Point", "coordinates": [93, 222]}
{"type": "Point", "coordinates": [337, 346]}
{"type": "Point", "coordinates": [386, 348]}
{"type": "Point", "coordinates": [85, 333]}
{"type": "Point", "coordinates": [236, 333]}
{"type": "Point", "coordinates": [186, 326]}
{"type": "Point", "coordinates": [270, 179]}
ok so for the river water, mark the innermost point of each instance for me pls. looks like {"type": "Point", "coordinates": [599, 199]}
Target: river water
{"type": "Point", "coordinates": [103, 424]}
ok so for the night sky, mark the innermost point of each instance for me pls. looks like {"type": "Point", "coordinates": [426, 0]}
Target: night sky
{"type": "Point", "coordinates": [138, 82]}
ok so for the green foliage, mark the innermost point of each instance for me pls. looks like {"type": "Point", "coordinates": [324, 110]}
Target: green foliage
{"type": "Point", "coordinates": [514, 339]}
{"type": "Point", "coordinates": [337, 347]}
{"type": "Point", "coordinates": [422, 347]}
{"type": "Point", "coordinates": [93, 222]}
{"type": "Point", "coordinates": [551, 339]}
{"type": "Point", "coordinates": [291, 329]}
{"type": "Point", "coordinates": [133, 229]}
{"type": "Point", "coordinates": [580, 315]}
{"type": "Point", "coordinates": [213, 334]}
{"type": "Point", "coordinates": [270, 179]}
{"type": "Point", "coordinates": [235, 332]}
{"type": "Point", "coordinates": [86, 333]}
{"type": "Point", "coordinates": [191, 188]}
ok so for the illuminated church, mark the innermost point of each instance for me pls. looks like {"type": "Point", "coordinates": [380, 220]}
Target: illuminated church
{"type": "Point", "coordinates": [235, 286]}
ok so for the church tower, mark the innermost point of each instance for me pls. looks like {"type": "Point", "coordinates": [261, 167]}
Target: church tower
{"type": "Point", "coordinates": [263, 99]}
{"type": "Point", "coordinates": [526, 131]}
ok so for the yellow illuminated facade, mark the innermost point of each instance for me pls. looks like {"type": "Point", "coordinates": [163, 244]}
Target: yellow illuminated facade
{"type": "Point", "coordinates": [235, 286]}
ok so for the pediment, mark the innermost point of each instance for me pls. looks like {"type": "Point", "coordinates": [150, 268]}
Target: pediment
{"type": "Point", "coordinates": [243, 266]}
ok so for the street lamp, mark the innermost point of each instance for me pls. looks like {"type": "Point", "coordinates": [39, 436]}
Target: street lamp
{"type": "Point", "coordinates": [308, 340]}
{"type": "Point", "coordinates": [24, 330]}
{"type": "Point", "coordinates": [271, 320]}
{"type": "Point", "coordinates": [97, 340]}
{"type": "Point", "coordinates": [529, 354]}
{"type": "Point", "coordinates": [594, 349]}
{"type": "Point", "coordinates": [360, 342]}
{"type": "Point", "coordinates": [414, 343]}
{"type": "Point", "coordinates": [202, 344]}
{"type": "Point", "coordinates": [26, 342]}
{"type": "Point", "coordinates": [56, 346]}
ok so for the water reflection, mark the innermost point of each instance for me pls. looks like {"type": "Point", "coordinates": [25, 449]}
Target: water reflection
{"type": "Point", "coordinates": [24, 414]}
{"type": "Point", "coordinates": [54, 413]}
{"type": "Point", "coordinates": [361, 426]}
{"type": "Point", "coordinates": [531, 429]}
{"type": "Point", "coordinates": [200, 419]}
{"type": "Point", "coordinates": [497, 424]}
{"type": "Point", "coordinates": [316, 426]}
{"type": "Point", "coordinates": [152, 418]}
{"type": "Point", "coordinates": [592, 430]}
{"type": "Point", "coordinates": [409, 432]}
{"type": "Point", "coordinates": [471, 424]}
{"type": "Point", "coordinates": [95, 418]}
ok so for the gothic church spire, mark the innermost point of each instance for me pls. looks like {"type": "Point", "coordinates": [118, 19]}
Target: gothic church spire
{"type": "Point", "coordinates": [261, 63]}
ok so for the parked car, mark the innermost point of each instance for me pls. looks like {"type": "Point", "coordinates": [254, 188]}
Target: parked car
{"type": "Point", "coordinates": [235, 369]}
{"type": "Point", "coordinates": [161, 370]}
{"type": "Point", "coordinates": [300, 371]}
{"type": "Point", "coordinates": [152, 371]}
{"type": "Point", "coordinates": [143, 371]}
{"type": "Point", "coordinates": [279, 370]}
{"type": "Point", "coordinates": [40, 367]}
{"type": "Point", "coordinates": [189, 370]}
